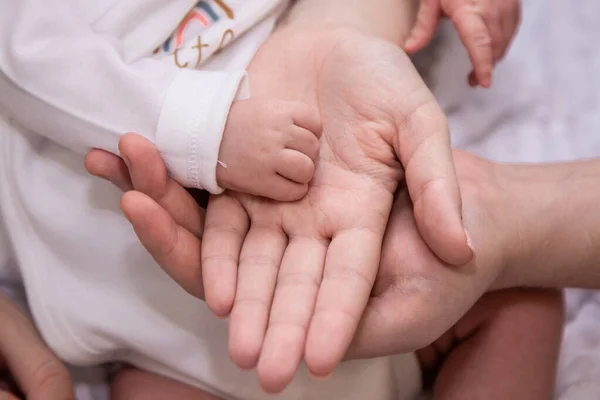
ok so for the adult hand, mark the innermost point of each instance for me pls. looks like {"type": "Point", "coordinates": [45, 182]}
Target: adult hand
{"type": "Point", "coordinates": [166, 217]}
{"type": "Point", "coordinates": [320, 255]}
{"type": "Point", "coordinates": [37, 373]}
{"type": "Point", "coordinates": [416, 297]}
{"type": "Point", "coordinates": [356, 78]}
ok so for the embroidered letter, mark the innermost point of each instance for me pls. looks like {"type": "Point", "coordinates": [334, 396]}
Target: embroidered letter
{"type": "Point", "coordinates": [224, 42]}
{"type": "Point", "coordinates": [199, 45]}
{"type": "Point", "coordinates": [177, 59]}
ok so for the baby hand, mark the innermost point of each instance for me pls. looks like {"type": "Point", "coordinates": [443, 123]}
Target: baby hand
{"type": "Point", "coordinates": [269, 148]}
{"type": "Point", "coordinates": [486, 27]}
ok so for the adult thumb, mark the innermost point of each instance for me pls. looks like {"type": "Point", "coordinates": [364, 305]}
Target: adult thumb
{"type": "Point", "coordinates": [424, 149]}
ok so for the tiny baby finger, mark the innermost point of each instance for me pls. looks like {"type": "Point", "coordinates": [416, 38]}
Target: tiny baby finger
{"type": "Point", "coordinates": [294, 166]}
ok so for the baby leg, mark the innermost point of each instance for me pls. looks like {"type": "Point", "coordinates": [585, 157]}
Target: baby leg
{"type": "Point", "coordinates": [135, 384]}
{"type": "Point", "coordinates": [506, 347]}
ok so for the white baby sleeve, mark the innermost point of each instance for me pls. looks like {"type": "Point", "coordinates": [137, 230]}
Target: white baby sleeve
{"type": "Point", "coordinates": [61, 80]}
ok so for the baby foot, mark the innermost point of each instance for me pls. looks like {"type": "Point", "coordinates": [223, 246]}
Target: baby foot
{"type": "Point", "coordinates": [269, 148]}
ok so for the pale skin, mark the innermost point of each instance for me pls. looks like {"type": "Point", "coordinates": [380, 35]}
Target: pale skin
{"type": "Point", "coordinates": [532, 227]}
{"type": "Point", "coordinates": [297, 276]}
{"type": "Point", "coordinates": [492, 330]}
{"type": "Point", "coordinates": [269, 148]}
{"type": "Point", "coordinates": [263, 259]}
{"type": "Point", "coordinates": [486, 27]}
{"type": "Point", "coordinates": [389, 20]}
{"type": "Point", "coordinates": [416, 297]}
{"type": "Point", "coordinates": [506, 203]}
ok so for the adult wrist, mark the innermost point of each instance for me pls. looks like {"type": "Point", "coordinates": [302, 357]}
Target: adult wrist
{"type": "Point", "coordinates": [555, 221]}
{"type": "Point", "coordinates": [528, 198]}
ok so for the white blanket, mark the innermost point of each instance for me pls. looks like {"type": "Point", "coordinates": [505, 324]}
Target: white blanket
{"type": "Point", "coordinates": [544, 106]}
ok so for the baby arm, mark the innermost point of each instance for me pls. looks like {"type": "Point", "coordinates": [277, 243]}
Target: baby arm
{"type": "Point", "coordinates": [63, 80]}
{"type": "Point", "coordinates": [506, 347]}
{"type": "Point", "coordinates": [486, 27]}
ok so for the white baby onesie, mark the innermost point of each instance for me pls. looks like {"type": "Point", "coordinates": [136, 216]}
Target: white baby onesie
{"type": "Point", "coordinates": [77, 74]}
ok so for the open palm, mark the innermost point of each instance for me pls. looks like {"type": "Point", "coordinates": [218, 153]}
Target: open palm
{"type": "Point", "coordinates": [416, 297]}
{"type": "Point", "coordinates": [306, 269]}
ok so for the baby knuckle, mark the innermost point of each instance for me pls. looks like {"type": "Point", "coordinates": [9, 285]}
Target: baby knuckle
{"type": "Point", "coordinates": [279, 108]}
{"type": "Point", "coordinates": [301, 109]}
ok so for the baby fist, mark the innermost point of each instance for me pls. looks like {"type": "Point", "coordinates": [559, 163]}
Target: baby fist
{"type": "Point", "coordinates": [269, 148]}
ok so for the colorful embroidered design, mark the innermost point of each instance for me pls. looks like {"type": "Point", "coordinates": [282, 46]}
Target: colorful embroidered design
{"type": "Point", "coordinates": [204, 14]}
